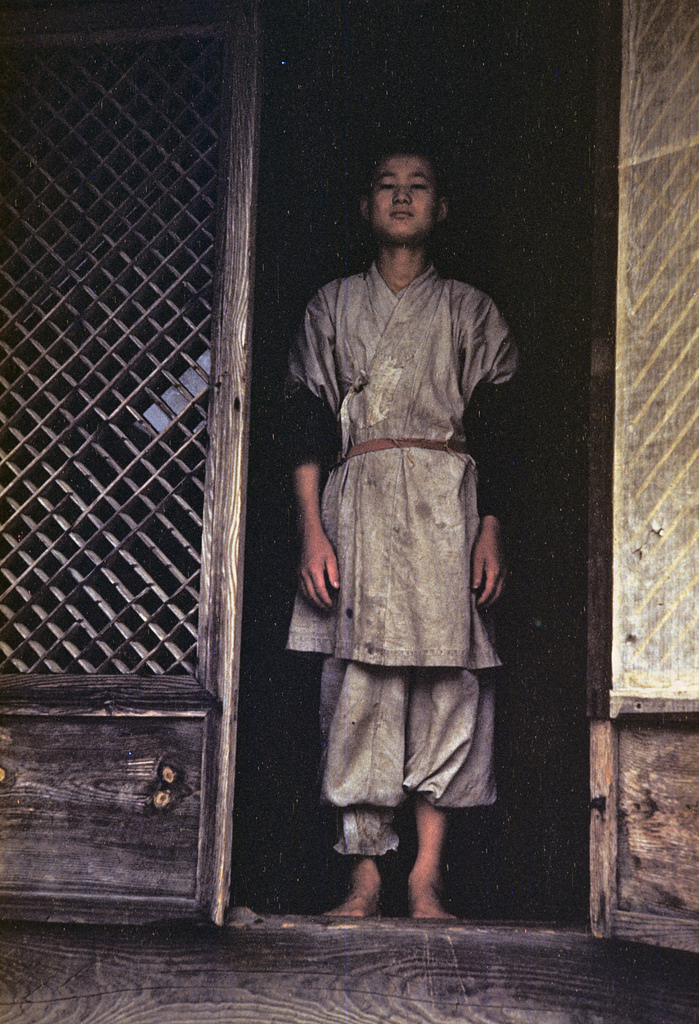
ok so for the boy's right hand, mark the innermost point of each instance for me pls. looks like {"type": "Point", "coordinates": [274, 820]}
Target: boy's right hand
{"type": "Point", "coordinates": [319, 577]}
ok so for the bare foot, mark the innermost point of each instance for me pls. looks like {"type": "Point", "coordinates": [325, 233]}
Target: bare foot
{"type": "Point", "coordinates": [424, 899]}
{"type": "Point", "coordinates": [365, 889]}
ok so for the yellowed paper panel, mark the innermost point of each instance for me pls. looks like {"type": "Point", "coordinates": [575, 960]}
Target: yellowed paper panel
{"type": "Point", "coordinates": [656, 541]}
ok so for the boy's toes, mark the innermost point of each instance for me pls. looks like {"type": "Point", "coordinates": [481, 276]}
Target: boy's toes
{"type": "Point", "coordinates": [424, 900]}
{"type": "Point", "coordinates": [356, 905]}
{"type": "Point", "coordinates": [364, 893]}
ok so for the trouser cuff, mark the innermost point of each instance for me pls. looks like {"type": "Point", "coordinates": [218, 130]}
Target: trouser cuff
{"type": "Point", "coordinates": [365, 831]}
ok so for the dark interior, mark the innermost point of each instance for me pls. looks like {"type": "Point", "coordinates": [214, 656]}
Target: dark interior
{"type": "Point", "coordinates": [507, 89]}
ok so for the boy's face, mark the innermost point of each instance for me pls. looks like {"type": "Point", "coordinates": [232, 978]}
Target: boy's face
{"type": "Point", "coordinates": [403, 206]}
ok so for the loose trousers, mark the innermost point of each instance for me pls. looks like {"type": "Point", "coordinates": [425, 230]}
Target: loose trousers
{"type": "Point", "coordinates": [391, 731]}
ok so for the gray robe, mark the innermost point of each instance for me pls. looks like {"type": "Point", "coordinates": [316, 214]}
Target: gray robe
{"type": "Point", "coordinates": [402, 521]}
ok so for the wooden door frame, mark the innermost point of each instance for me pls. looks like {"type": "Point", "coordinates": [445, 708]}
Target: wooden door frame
{"type": "Point", "coordinates": [601, 443]}
{"type": "Point", "coordinates": [229, 418]}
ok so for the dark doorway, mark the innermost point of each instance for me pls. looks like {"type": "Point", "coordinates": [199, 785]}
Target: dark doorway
{"type": "Point", "coordinates": [507, 87]}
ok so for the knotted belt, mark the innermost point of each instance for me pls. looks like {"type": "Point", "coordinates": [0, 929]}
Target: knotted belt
{"type": "Point", "coordinates": [379, 444]}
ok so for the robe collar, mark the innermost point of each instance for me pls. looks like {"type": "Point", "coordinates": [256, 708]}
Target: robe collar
{"type": "Point", "coordinates": [388, 305]}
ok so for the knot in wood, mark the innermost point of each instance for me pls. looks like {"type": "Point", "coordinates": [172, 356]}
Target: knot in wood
{"type": "Point", "coordinates": [168, 774]}
{"type": "Point", "coordinates": [161, 799]}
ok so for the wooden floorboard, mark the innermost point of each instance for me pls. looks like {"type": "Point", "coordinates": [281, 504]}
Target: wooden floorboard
{"type": "Point", "coordinates": [309, 971]}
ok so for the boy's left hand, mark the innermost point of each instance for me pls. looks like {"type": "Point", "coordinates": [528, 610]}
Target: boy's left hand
{"type": "Point", "coordinates": [488, 570]}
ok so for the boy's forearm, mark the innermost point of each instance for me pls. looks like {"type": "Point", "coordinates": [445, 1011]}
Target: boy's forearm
{"type": "Point", "coordinates": [307, 494]}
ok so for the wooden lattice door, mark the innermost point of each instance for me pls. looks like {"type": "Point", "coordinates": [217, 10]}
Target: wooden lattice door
{"type": "Point", "coordinates": [126, 207]}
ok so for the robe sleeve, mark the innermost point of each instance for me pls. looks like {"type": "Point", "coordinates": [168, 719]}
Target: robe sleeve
{"type": "Point", "coordinates": [488, 348]}
{"type": "Point", "coordinates": [312, 397]}
{"type": "Point", "coordinates": [312, 353]}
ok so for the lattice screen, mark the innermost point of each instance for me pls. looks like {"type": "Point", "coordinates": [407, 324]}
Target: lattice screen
{"type": "Point", "coordinates": [109, 160]}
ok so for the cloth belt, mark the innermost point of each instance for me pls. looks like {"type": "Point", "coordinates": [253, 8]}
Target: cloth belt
{"type": "Point", "coordinates": [379, 444]}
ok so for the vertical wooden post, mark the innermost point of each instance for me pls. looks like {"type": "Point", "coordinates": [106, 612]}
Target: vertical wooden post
{"type": "Point", "coordinates": [603, 740]}
{"type": "Point", "coordinates": [229, 413]}
{"type": "Point", "coordinates": [601, 438]}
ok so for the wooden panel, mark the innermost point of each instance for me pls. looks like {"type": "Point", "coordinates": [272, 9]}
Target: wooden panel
{"type": "Point", "coordinates": [658, 867]}
{"type": "Point", "coordinates": [656, 529]}
{"type": "Point", "coordinates": [99, 807]}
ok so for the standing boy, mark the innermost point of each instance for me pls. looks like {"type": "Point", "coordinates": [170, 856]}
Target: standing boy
{"type": "Point", "coordinates": [402, 560]}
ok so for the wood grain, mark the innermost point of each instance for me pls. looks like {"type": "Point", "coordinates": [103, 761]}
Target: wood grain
{"type": "Point", "coordinates": [102, 807]}
{"type": "Point", "coordinates": [603, 826]}
{"type": "Point", "coordinates": [229, 416]}
{"type": "Point", "coordinates": [659, 931]}
{"type": "Point", "coordinates": [290, 971]}
{"type": "Point", "coordinates": [102, 695]}
{"type": "Point", "coordinates": [659, 820]}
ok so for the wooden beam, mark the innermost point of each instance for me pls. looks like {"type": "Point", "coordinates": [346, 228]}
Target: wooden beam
{"type": "Point", "coordinates": [292, 971]}
{"type": "Point", "coordinates": [625, 704]}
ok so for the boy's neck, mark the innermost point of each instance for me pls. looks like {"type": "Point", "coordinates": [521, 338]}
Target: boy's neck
{"type": "Point", "coordinates": [400, 265]}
